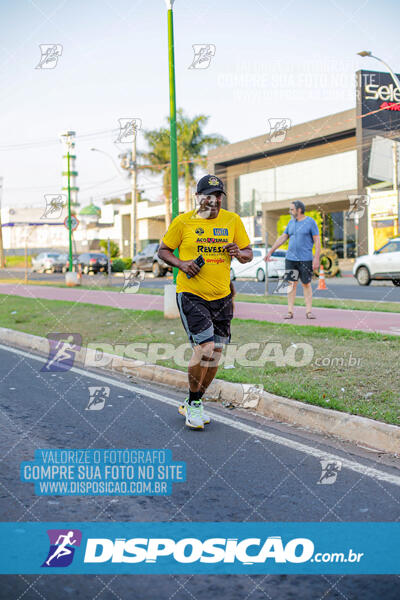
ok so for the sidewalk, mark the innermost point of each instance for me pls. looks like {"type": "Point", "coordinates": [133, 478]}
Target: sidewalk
{"type": "Point", "coordinates": [360, 320]}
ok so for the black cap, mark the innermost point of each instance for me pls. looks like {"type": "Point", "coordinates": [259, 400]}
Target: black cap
{"type": "Point", "coordinates": [210, 184]}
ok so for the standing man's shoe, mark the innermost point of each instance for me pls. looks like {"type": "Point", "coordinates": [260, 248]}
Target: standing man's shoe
{"type": "Point", "coordinates": [193, 413]}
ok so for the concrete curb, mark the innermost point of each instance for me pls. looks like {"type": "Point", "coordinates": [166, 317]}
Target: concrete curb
{"type": "Point", "coordinates": [359, 430]}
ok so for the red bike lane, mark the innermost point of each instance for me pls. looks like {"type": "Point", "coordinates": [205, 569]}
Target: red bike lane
{"type": "Point", "coordinates": [361, 320]}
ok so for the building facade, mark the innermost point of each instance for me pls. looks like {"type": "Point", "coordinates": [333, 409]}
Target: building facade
{"type": "Point", "coordinates": [325, 163]}
{"type": "Point", "coordinates": [28, 229]}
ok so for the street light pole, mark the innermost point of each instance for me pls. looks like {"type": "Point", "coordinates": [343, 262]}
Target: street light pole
{"type": "Point", "coordinates": [68, 138]}
{"type": "Point", "coordinates": [129, 162]}
{"type": "Point", "coordinates": [2, 261]}
{"type": "Point", "coordinates": [134, 198]}
{"type": "Point", "coordinates": [368, 53]}
{"type": "Point", "coordinates": [172, 108]}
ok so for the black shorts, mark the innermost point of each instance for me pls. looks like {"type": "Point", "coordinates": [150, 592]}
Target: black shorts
{"type": "Point", "coordinates": [206, 320]}
{"type": "Point", "coordinates": [302, 269]}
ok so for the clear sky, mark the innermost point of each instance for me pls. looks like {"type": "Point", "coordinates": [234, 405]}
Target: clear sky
{"type": "Point", "coordinates": [293, 59]}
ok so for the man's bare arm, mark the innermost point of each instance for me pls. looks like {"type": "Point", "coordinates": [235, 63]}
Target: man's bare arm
{"type": "Point", "coordinates": [243, 255]}
{"type": "Point", "coordinates": [317, 242]}
{"type": "Point", "coordinates": [187, 266]}
{"type": "Point", "coordinates": [281, 240]}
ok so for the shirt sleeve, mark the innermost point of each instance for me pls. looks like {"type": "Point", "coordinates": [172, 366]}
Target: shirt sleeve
{"type": "Point", "coordinates": [241, 238]}
{"type": "Point", "coordinates": [314, 228]}
{"type": "Point", "coordinates": [173, 237]}
{"type": "Point", "coordinates": [287, 229]}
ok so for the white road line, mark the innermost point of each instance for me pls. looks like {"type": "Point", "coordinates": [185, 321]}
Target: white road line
{"type": "Point", "coordinates": [271, 437]}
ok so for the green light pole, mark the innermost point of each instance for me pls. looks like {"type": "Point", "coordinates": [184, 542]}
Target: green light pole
{"type": "Point", "coordinates": [68, 138]}
{"type": "Point", "coordinates": [69, 212]}
{"type": "Point", "coordinates": [172, 117]}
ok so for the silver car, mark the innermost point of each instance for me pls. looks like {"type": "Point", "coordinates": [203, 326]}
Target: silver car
{"type": "Point", "coordinates": [47, 261]}
{"type": "Point", "coordinates": [382, 264]}
{"type": "Point", "coordinates": [256, 268]}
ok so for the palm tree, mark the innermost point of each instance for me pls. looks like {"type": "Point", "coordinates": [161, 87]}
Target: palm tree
{"type": "Point", "coordinates": [158, 159]}
{"type": "Point", "coordinates": [192, 146]}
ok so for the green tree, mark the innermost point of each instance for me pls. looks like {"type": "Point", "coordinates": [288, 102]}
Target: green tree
{"type": "Point", "coordinates": [114, 248]}
{"type": "Point", "coordinates": [193, 145]}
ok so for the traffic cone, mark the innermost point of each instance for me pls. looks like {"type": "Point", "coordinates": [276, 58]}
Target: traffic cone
{"type": "Point", "coordinates": [321, 279]}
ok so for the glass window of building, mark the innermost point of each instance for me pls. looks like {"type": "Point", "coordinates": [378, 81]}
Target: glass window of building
{"type": "Point", "coordinates": [323, 175]}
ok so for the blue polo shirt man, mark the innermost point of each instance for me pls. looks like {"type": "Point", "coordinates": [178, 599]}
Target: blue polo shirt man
{"type": "Point", "coordinates": [302, 233]}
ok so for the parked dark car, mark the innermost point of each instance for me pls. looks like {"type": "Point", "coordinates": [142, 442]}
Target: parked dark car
{"type": "Point", "coordinates": [65, 266]}
{"type": "Point", "coordinates": [148, 260]}
{"type": "Point", "coordinates": [338, 247]}
{"type": "Point", "coordinates": [92, 262]}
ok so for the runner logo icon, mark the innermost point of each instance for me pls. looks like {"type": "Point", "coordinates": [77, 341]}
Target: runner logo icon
{"type": "Point", "coordinates": [62, 350]}
{"type": "Point", "coordinates": [62, 547]}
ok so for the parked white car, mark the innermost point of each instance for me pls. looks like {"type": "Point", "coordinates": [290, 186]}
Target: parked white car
{"type": "Point", "coordinates": [47, 261]}
{"type": "Point", "coordinates": [256, 267]}
{"type": "Point", "coordinates": [382, 264]}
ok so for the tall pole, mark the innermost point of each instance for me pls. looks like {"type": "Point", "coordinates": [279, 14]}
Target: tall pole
{"type": "Point", "coordinates": [69, 210]}
{"type": "Point", "coordinates": [134, 198]}
{"type": "Point", "coordinates": [2, 261]}
{"type": "Point", "coordinates": [68, 138]}
{"type": "Point", "coordinates": [266, 291]}
{"type": "Point", "coordinates": [109, 261]}
{"type": "Point", "coordinates": [172, 112]}
{"type": "Point", "coordinates": [395, 181]}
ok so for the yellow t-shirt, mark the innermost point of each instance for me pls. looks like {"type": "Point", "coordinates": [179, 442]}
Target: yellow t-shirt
{"type": "Point", "coordinates": [194, 236]}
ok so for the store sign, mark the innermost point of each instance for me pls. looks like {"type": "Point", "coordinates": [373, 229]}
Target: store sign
{"type": "Point", "coordinates": [378, 124]}
{"type": "Point", "coordinates": [383, 204]}
{"type": "Point", "coordinates": [376, 90]}
{"type": "Point", "coordinates": [390, 105]}
{"type": "Point", "coordinates": [383, 92]}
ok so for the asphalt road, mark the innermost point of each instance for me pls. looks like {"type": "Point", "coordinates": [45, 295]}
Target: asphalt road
{"type": "Point", "coordinates": [338, 288]}
{"type": "Point", "coordinates": [236, 471]}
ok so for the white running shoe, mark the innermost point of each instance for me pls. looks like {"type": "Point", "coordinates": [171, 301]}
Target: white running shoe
{"type": "Point", "coordinates": [196, 418]}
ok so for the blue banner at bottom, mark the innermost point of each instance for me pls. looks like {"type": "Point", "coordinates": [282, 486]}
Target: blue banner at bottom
{"type": "Point", "coordinates": [191, 548]}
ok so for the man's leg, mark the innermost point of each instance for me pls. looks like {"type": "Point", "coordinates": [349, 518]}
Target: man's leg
{"type": "Point", "coordinates": [211, 370]}
{"type": "Point", "coordinates": [199, 364]}
{"type": "Point", "coordinates": [292, 296]}
{"type": "Point", "coordinates": [307, 291]}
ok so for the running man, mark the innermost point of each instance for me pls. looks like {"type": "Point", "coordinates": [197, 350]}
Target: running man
{"type": "Point", "coordinates": [302, 233]}
{"type": "Point", "coordinates": [203, 292]}
{"type": "Point", "coordinates": [62, 549]}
